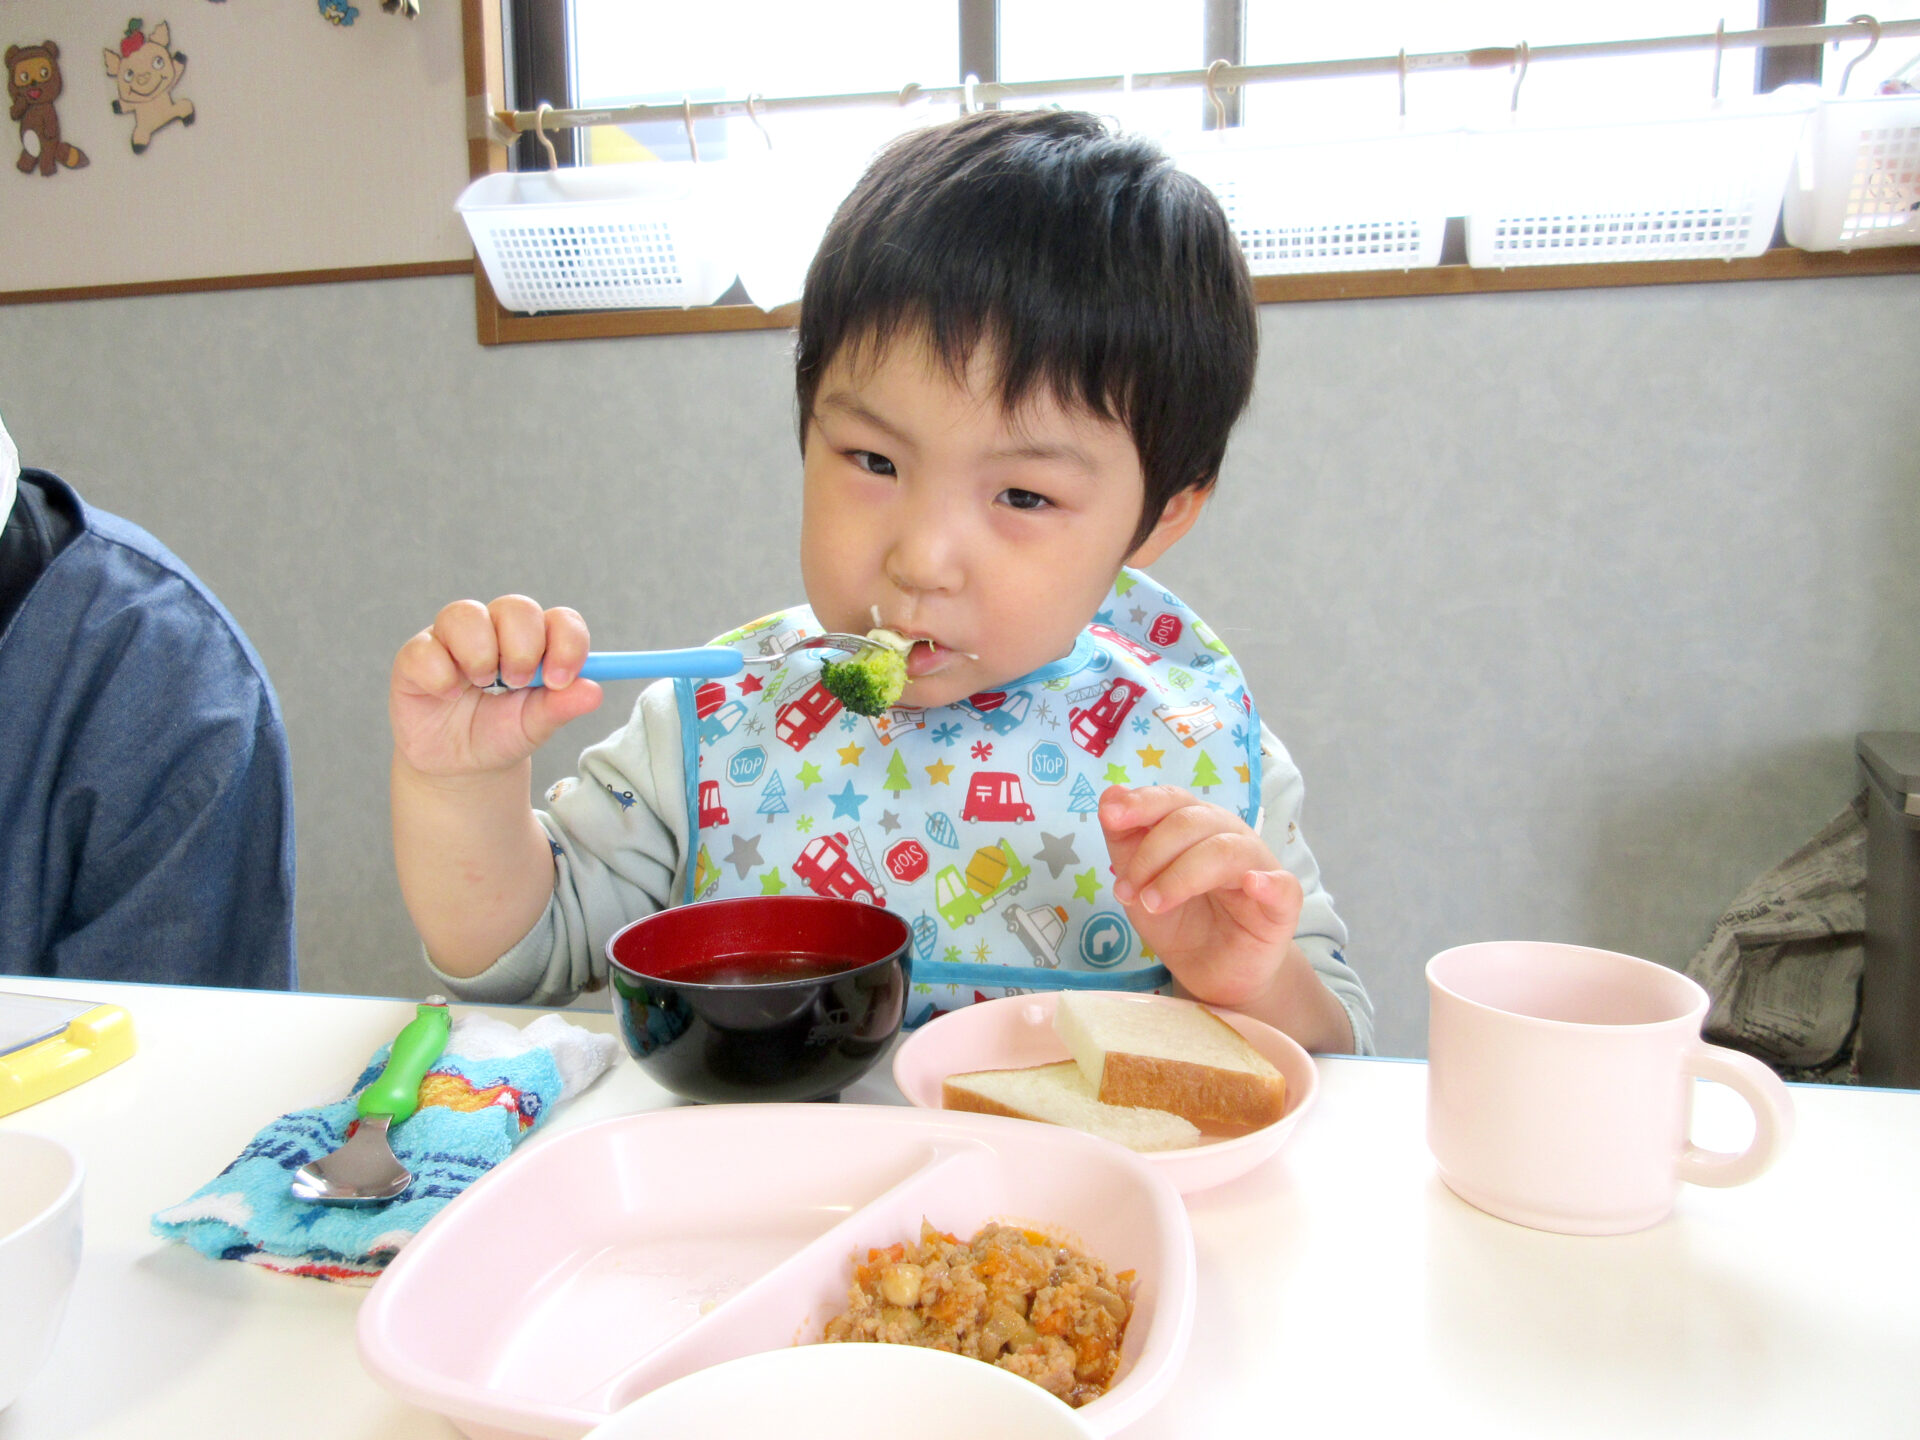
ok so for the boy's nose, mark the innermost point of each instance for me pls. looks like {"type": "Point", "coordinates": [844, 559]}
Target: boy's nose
{"type": "Point", "coordinates": [926, 553]}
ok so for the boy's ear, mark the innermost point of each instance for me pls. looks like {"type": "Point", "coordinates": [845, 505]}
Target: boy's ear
{"type": "Point", "coordinates": [1178, 518]}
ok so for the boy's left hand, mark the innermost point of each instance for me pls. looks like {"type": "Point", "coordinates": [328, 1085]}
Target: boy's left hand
{"type": "Point", "coordinates": [1203, 890]}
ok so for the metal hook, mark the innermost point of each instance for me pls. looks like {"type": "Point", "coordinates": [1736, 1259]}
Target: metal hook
{"type": "Point", "coordinates": [1719, 49]}
{"type": "Point", "coordinates": [540, 129]}
{"type": "Point", "coordinates": [968, 104]}
{"type": "Point", "coordinates": [1873, 42]}
{"type": "Point", "coordinates": [756, 95]}
{"type": "Point", "coordinates": [1219, 105]}
{"type": "Point", "coordinates": [686, 118]}
{"type": "Point", "coordinates": [1520, 60]}
{"type": "Point", "coordinates": [909, 92]}
{"type": "Point", "coordinates": [1403, 82]}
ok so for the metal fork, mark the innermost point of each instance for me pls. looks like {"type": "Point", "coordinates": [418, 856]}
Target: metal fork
{"type": "Point", "coordinates": [703, 662]}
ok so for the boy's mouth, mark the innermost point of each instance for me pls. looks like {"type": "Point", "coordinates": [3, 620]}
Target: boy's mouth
{"type": "Point", "coordinates": [928, 657]}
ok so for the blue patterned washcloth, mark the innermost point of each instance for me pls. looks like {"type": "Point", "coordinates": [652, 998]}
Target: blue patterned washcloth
{"type": "Point", "coordinates": [494, 1084]}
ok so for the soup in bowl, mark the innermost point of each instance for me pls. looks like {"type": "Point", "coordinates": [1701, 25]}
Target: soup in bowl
{"type": "Point", "coordinates": [767, 997]}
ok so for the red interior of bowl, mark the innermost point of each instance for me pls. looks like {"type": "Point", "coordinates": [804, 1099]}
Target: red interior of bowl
{"type": "Point", "coordinates": [681, 942]}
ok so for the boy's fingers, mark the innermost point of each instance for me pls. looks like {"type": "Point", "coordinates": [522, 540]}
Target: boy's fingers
{"type": "Point", "coordinates": [1266, 905]}
{"type": "Point", "coordinates": [1182, 828]}
{"type": "Point", "coordinates": [1123, 809]}
{"type": "Point", "coordinates": [566, 647]}
{"type": "Point", "coordinates": [1278, 891]}
{"type": "Point", "coordinates": [1159, 882]}
{"type": "Point", "coordinates": [423, 667]}
{"type": "Point", "coordinates": [1263, 903]}
{"type": "Point", "coordinates": [465, 628]}
{"type": "Point", "coordinates": [521, 628]}
{"type": "Point", "coordinates": [1129, 817]}
{"type": "Point", "coordinates": [548, 708]}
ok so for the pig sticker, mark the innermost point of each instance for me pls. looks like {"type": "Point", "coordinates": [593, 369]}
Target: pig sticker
{"type": "Point", "coordinates": [145, 68]}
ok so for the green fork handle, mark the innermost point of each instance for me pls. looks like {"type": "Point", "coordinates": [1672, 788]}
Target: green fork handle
{"type": "Point", "coordinates": [396, 1093]}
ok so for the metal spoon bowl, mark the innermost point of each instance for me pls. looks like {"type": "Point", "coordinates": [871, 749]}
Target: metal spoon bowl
{"type": "Point", "coordinates": [365, 1171]}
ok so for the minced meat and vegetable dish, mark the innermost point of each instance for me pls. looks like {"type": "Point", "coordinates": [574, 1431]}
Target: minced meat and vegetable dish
{"type": "Point", "coordinates": [1015, 1298]}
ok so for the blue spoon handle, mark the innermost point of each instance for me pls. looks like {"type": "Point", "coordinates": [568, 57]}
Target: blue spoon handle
{"type": "Point", "coordinates": [704, 662]}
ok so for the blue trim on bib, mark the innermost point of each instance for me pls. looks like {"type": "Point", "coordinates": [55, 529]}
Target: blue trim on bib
{"type": "Point", "coordinates": [1255, 754]}
{"type": "Point", "coordinates": [943, 972]}
{"type": "Point", "coordinates": [690, 773]}
{"type": "Point", "coordinates": [1072, 663]}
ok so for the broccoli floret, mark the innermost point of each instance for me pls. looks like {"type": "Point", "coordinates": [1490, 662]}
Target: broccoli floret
{"type": "Point", "coordinates": [873, 679]}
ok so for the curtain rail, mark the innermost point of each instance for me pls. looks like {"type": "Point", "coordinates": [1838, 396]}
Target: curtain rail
{"type": "Point", "coordinates": [1219, 76]}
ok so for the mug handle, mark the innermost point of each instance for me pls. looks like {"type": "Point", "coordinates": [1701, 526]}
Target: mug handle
{"type": "Point", "coordinates": [1772, 1110]}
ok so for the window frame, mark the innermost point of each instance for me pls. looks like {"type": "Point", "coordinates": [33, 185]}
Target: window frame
{"type": "Point", "coordinates": [489, 36]}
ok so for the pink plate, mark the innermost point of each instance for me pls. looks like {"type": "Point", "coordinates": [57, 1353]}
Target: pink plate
{"type": "Point", "coordinates": [619, 1257]}
{"type": "Point", "coordinates": [1003, 1034]}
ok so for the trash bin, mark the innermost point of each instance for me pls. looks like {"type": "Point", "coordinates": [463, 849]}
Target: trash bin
{"type": "Point", "coordinates": [1890, 984]}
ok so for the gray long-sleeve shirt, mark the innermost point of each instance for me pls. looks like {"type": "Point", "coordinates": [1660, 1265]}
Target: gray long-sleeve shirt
{"type": "Point", "coordinates": [619, 834]}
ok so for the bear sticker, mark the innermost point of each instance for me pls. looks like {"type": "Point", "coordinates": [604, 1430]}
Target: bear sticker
{"type": "Point", "coordinates": [34, 82]}
{"type": "Point", "coordinates": [145, 68]}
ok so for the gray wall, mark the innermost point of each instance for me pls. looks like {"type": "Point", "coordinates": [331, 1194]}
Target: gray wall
{"type": "Point", "coordinates": [1569, 604]}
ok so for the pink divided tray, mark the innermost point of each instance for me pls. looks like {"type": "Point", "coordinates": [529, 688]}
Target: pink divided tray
{"type": "Point", "coordinates": [615, 1258]}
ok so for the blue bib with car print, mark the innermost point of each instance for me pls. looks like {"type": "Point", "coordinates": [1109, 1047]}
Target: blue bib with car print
{"type": "Point", "coordinates": [977, 821]}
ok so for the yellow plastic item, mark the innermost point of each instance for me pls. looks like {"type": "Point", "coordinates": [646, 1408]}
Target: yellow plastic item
{"type": "Point", "coordinates": [47, 1046]}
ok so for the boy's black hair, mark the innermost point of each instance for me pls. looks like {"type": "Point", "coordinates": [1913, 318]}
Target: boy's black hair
{"type": "Point", "coordinates": [1089, 263]}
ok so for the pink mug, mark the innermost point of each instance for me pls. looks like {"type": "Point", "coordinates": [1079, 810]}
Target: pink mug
{"type": "Point", "coordinates": [1560, 1086]}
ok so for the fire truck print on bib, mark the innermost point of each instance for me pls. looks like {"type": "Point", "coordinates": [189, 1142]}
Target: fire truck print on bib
{"type": "Point", "coordinates": [975, 822]}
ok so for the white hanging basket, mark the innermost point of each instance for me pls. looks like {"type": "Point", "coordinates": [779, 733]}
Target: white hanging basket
{"type": "Point", "coordinates": [603, 237]}
{"type": "Point", "coordinates": [1706, 186]}
{"type": "Point", "coordinates": [781, 206]}
{"type": "Point", "coordinates": [1856, 175]}
{"type": "Point", "coordinates": [1362, 203]}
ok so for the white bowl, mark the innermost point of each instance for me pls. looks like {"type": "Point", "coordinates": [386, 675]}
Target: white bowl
{"type": "Point", "coordinates": [848, 1392]}
{"type": "Point", "coordinates": [39, 1252]}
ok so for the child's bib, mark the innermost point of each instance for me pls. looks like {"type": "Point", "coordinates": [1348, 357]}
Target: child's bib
{"type": "Point", "coordinates": [976, 822]}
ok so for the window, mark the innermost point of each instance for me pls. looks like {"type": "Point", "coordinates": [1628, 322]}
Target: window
{"type": "Point", "coordinates": [632, 53]}
{"type": "Point", "coordinates": [594, 54]}
{"type": "Point", "coordinates": [1048, 40]}
{"type": "Point", "coordinates": [1287, 30]}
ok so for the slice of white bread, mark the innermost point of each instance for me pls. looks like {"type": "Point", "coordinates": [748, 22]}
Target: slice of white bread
{"type": "Point", "coordinates": [1060, 1095]}
{"type": "Point", "coordinates": [1182, 1058]}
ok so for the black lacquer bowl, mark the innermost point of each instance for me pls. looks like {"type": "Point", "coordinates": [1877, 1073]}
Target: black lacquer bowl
{"type": "Point", "coordinates": [775, 997]}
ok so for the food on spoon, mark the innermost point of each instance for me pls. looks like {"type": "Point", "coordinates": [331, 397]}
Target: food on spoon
{"type": "Point", "coordinates": [1016, 1298]}
{"type": "Point", "coordinates": [873, 679]}
{"type": "Point", "coordinates": [1182, 1058]}
{"type": "Point", "coordinates": [1061, 1094]}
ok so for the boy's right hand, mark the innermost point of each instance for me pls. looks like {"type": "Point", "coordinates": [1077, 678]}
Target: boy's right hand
{"type": "Point", "coordinates": [443, 722]}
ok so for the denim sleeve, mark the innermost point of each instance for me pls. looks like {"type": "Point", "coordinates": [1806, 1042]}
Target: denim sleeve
{"type": "Point", "coordinates": [174, 801]}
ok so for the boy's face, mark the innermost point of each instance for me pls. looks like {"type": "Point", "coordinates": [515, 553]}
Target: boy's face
{"type": "Point", "coordinates": [994, 536]}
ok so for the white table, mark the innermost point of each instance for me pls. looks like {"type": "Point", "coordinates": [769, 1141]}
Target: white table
{"type": "Point", "coordinates": [1343, 1289]}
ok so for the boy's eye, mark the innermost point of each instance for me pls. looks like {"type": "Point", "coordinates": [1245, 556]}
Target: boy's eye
{"type": "Point", "coordinates": [1024, 500]}
{"type": "Point", "coordinates": [872, 463]}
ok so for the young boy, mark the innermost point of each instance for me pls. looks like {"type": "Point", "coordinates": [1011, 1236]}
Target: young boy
{"type": "Point", "coordinates": [1022, 346]}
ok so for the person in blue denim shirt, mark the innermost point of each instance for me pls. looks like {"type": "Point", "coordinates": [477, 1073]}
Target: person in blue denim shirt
{"type": "Point", "coordinates": [146, 798]}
